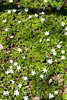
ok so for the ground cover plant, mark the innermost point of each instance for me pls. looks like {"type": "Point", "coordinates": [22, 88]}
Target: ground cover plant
{"type": "Point", "coordinates": [33, 50]}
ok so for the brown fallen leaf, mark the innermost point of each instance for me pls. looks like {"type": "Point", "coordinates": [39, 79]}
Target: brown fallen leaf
{"type": "Point", "coordinates": [36, 98]}
{"type": "Point", "coordinates": [49, 56]}
{"type": "Point", "coordinates": [17, 78]}
{"type": "Point", "coordinates": [19, 13]}
{"type": "Point", "coordinates": [65, 90]}
{"type": "Point", "coordinates": [29, 86]}
{"type": "Point", "coordinates": [60, 93]}
{"type": "Point", "coordinates": [1, 47]}
{"type": "Point", "coordinates": [57, 77]}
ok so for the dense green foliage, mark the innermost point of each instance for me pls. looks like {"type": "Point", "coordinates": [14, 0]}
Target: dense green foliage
{"type": "Point", "coordinates": [29, 35]}
{"type": "Point", "coordinates": [40, 3]}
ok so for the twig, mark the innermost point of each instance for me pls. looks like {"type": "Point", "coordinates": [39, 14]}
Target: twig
{"type": "Point", "coordinates": [63, 83]}
{"type": "Point", "coordinates": [64, 4]}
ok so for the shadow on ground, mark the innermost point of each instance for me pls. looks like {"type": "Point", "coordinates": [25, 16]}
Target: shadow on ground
{"type": "Point", "coordinates": [47, 11]}
{"type": "Point", "coordinates": [7, 6]}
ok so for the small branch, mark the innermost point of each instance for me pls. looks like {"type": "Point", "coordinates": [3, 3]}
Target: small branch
{"type": "Point", "coordinates": [63, 83]}
{"type": "Point", "coordinates": [64, 4]}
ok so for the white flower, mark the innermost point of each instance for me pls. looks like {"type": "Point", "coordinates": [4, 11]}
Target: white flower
{"type": "Point", "coordinates": [10, 1]}
{"type": "Point", "coordinates": [4, 21]}
{"type": "Point", "coordinates": [42, 20]}
{"type": "Point", "coordinates": [11, 67]}
{"type": "Point", "coordinates": [11, 71]}
{"type": "Point", "coordinates": [11, 61]}
{"type": "Point", "coordinates": [63, 52]}
{"type": "Point", "coordinates": [25, 97]}
{"type": "Point", "coordinates": [36, 15]}
{"type": "Point", "coordinates": [40, 40]}
{"type": "Point", "coordinates": [23, 57]}
{"type": "Point", "coordinates": [48, 40]}
{"type": "Point", "coordinates": [12, 81]}
{"type": "Point", "coordinates": [45, 1]}
{"type": "Point", "coordinates": [41, 76]}
{"type": "Point", "coordinates": [25, 78]}
{"type": "Point", "coordinates": [42, 13]}
{"type": "Point", "coordinates": [16, 92]}
{"type": "Point", "coordinates": [30, 16]}
{"type": "Point", "coordinates": [59, 46]}
{"type": "Point", "coordinates": [26, 9]}
{"type": "Point", "coordinates": [19, 85]}
{"type": "Point", "coordinates": [14, 10]}
{"type": "Point", "coordinates": [19, 68]}
{"type": "Point", "coordinates": [33, 73]}
{"type": "Point", "coordinates": [56, 92]}
{"type": "Point", "coordinates": [46, 33]}
{"type": "Point", "coordinates": [61, 42]}
{"type": "Point", "coordinates": [53, 50]}
{"type": "Point", "coordinates": [66, 29]}
{"type": "Point", "coordinates": [19, 50]}
{"type": "Point", "coordinates": [7, 72]}
{"type": "Point", "coordinates": [50, 81]}
{"type": "Point", "coordinates": [11, 36]}
{"type": "Point", "coordinates": [63, 24]}
{"type": "Point", "coordinates": [44, 70]}
{"type": "Point", "coordinates": [6, 93]}
{"type": "Point", "coordinates": [15, 64]}
{"type": "Point", "coordinates": [62, 57]}
{"type": "Point", "coordinates": [54, 53]}
{"type": "Point", "coordinates": [6, 29]}
{"type": "Point", "coordinates": [9, 11]}
{"type": "Point", "coordinates": [58, 8]}
{"type": "Point", "coordinates": [65, 33]}
{"type": "Point", "coordinates": [19, 21]}
{"type": "Point", "coordinates": [51, 96]}
{"type": "Point", "coordinates": [55, 60]}
{"type": "Point", "coordinates": [50, 61]}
